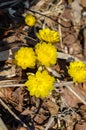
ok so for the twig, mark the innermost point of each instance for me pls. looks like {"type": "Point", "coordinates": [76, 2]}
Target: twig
{"type": "Point", "coordinates": [13, 114]}
{"type": "Point", "coordinates": [11, 85]}
{"type": "Point", "coordinates": [54, 73]}
{"type": "Point", "coordinates": [60, 32]}
{"type": "Point", "coordinates": [49, 123]}
{"type": "Point", "coordinates": [66, 56]}
{"type": "Point", "coordinates": [60, 2]}
{"type": "Point", "coordinates": [84, 34]}
{"type": "Point", "coordinates": [10, 80]}
{"type": "Point", "coordinates": [28, 37]}
{"type": "Point", "coordinates": [77, 95]}
{"type": "Point", "coordinates": [66, 84]}
{"type": "Point", "coordinates": [49, 18]}
{"type": "Point", "coordinates": [63, 84]}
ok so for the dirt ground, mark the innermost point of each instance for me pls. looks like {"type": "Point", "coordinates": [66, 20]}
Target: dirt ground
{"type": "Point", "coordinates": [65, 108]}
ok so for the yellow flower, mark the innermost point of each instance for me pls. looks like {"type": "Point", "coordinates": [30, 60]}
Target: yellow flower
{"type": "Point", "coordinates": [48, 35]}
{"type": "Point", "coordinates": [46, 54]}
{"type": "Point", "coordinates": [30, 20]}
{"type": "Point", "coordinates": [25, 57]}
{"type": "Point", "coordinates": [77, 70]}
{"type": "Point", "coordinates": [40, 84]}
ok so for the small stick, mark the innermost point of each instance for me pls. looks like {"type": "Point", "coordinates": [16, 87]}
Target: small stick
{"type": "Point", "coordinates": [81, 99]}
{"type": "Point", "coordinates": [54, 73]}
{"type": "Point", "coordinates": [69, 57]}
{"type": "Point", "coordinates": [8, 80]}
{"type": "Point", "coordinates": [11, 85]}
{"type": "Point", "coordinates": [63, 84]}
{"type": "Point", "coordinates": [66, 84]}
{"type": "Point", "coordinates": [49, 123]}
{"type": "Point", "coordinates": [13, 114]}
{"type": "Point", "coordinates": [84, 34]}
{"type": "Point", "coordinates": [60, 32]}
{"type": "Point", "coordinates": [49, 18]}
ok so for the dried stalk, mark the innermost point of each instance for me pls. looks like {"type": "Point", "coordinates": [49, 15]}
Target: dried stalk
{"type": "Point", "coordinates": [77, 95]}
{"type": "Point", "coordinates": [54, 73]}
{"type": "Point", "coordinates": [66, 84]}
{"type": "Point", "coordinates": [13, 114]}
{"type": "Point", "coordinates": [49, 123]}
{"type": "Point", "coordinates": [63, 84]}
{"type": "Point", "coordinates": [11, 85]}
{"type": "Point", "coordinates": [67, 56]}
{"type": "Point", "coordinates": [84, 34]}
{"type": "Point", "coordinates": [60, 32]}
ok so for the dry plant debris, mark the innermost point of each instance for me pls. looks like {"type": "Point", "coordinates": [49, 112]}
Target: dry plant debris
{"type": "Point", "coordinates": [64, 108]}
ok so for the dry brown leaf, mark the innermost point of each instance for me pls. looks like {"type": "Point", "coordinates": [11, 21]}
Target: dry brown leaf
{"type": "Point", "coordinates": [81, 126]}
{"type": "Point", "coordinates": [6, 92]}
{"type": "Point", "coordinates": [52, 106]}
{"type": "Point", "coordinates": [70, 98]}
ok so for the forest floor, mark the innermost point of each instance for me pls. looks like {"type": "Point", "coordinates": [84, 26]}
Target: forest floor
{"type": "Point", "coordinates": [65, 108]}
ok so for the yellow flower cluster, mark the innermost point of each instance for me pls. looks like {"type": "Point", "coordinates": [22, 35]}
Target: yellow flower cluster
{"type": "Point", "coordinates": [40, 84]}
{"type": "Point", "coordinates": [48, 35]}
{"type": "Point", "coordinates": [77, 70]}
{"type": "Point", "coordinates": [25, 57]}
{"type": "Point", "coordinates": [46, 53]}
{"type": "Point", "coordinates": [30, 20]}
